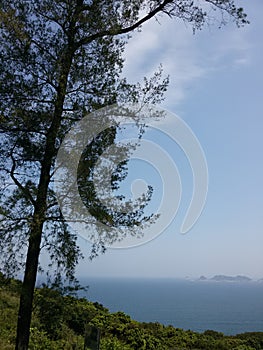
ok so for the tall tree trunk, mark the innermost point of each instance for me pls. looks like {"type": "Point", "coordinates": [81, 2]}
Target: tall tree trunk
{"type": "Point", "coordinates": [29, 281]}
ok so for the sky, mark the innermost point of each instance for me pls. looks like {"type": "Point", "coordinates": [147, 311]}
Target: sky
{"type": "Point", "coordinates": [216, 88]}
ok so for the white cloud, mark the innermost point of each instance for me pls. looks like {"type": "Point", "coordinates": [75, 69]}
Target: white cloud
{"type": "Point", "coordinates": [242, 61]}
{"type": "Point", "coordinates": [187, 58]}
{"type": "Point", "coordinates": [170, 44]}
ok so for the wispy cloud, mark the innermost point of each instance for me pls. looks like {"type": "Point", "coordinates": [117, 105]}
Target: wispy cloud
{"type": "Point", "coordinates": [186, 58]}
{"type": "Point", "coordinates": [170, 45]}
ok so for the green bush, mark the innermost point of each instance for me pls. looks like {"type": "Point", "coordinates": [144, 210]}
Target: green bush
{"type": "Point", "coordinates": [113, 344]}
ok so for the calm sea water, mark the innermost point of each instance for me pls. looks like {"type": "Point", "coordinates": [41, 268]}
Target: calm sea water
{"type": "Point", "coordinates": [230, 308]}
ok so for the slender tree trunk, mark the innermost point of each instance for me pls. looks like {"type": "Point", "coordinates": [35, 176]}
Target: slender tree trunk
{"type": "Point", "coordinates": [28, 285]}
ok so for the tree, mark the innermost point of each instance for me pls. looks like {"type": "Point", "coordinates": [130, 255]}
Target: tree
{"type": "Point", "coordinates": [59, 60]}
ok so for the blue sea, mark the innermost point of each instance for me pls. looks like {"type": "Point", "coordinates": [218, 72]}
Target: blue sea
{"type": "Point", "coordinates": [228, 307]}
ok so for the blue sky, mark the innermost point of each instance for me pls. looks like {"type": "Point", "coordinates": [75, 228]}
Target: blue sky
{"type": "Point", "coordinates": [216, 88]}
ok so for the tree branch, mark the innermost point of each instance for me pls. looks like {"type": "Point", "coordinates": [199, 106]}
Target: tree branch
{"type": "Point", "coordinates": [120, 31]}
{"type": "Point", "coordinates": [18, 183]}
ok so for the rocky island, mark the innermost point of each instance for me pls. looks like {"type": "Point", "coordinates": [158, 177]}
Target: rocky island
{"type": "Point", "coordinates": [224, 278]}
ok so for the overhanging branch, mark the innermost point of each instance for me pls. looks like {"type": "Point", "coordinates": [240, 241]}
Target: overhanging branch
{"type": "Point", "coordinates": [120, 31]}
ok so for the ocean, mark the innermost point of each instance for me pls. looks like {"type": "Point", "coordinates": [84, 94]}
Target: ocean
{"type": "Point", "coordinates": [228, 307]}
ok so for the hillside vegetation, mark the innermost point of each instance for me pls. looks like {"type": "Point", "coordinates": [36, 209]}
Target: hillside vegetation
{"type": "Point", "coordinates": [59, 322]}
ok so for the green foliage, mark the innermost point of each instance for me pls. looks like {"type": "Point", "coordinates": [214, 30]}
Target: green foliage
{"type": "Point", "coordinates": [59, 323]}
{"type": "Point", "coordinates": [49, 305]}
{"type": "Point", "coordinates": [214, 334]}
{"type": "Point", "coordinates": [253, 339]}
{"type": "Point", "coordinates": [113, 344]}
{"type": "Point", "coordinates": [8, 312]}
{"type": "Point", "coordinates": [66, 310]}
{"type": "Point", "coordinates": [39, 340]}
